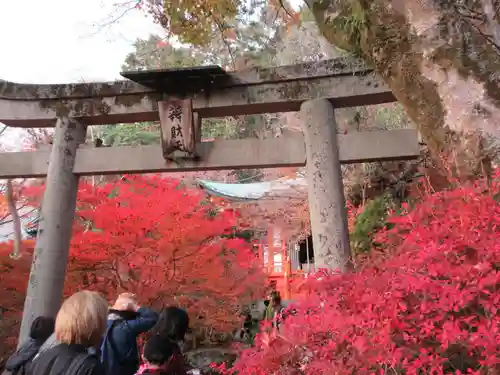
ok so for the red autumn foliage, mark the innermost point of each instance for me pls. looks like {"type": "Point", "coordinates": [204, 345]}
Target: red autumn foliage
{"type": "Point", "coordinates": [151, 236]}
{"type": "Point", "coordinates": [13, 283]}
{"type": "Point", "coordinates": [154, 237]}
{"type": "Point", "coordinates": [430, 304]}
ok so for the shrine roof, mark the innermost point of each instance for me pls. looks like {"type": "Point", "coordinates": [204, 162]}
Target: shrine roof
{"type": "Point", "coordinates": [252, 191]}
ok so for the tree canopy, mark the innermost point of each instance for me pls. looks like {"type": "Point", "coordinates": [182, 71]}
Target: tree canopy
{"type": "Point", "coordinates": [427, 303]}
{"type": "Point", "coordinates": [439, 58]}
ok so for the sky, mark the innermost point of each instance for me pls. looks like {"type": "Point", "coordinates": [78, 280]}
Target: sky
{"type": "Point", "coordinates": [58, 41]}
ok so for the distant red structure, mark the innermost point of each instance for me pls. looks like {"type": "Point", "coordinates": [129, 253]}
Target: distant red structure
{"type": "Point", "coordinates": [274, 254]}
{"type": "Point", "coordinates": [281, 259]}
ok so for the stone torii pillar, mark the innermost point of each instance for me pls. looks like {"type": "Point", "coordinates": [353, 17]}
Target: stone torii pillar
{"type": "Point", "coordinates": [325, 188]}
{"type": "Point", "coordinates": [48, 269]}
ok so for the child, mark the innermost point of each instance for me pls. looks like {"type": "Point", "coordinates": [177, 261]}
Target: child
{"type": "Point", "coordinates": [162, 357]}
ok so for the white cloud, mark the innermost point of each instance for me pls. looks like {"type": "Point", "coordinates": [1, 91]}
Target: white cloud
{"type": "Point", "coordinates": [56, 41]}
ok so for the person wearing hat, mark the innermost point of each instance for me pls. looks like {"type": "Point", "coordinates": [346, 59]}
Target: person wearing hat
{"type": "Point", "coordinates": [126, 321]}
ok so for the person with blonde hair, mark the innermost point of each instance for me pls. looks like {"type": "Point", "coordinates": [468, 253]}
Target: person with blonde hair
{"type": "Point", "coordinates": [80, 324]}
{"type": "Point", "coordinates": [126, 321]}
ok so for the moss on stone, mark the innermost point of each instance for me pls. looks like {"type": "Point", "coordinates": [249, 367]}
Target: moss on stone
{"type": "Point", "coordinates": [342, 23]}
{"type": "Point", "coordinates": [372, 218]}
{"type": "Point", "coordinates": [386, 41]}
{"type": "Point", "coordinates": [389, 43]}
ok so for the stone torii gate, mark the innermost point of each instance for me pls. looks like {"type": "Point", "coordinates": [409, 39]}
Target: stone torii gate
{"type": "Point", "coordinates": [180, 99]}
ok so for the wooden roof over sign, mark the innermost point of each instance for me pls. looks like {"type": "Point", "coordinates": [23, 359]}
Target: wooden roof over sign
{"type": "Point", "coordinates": [181, 81]}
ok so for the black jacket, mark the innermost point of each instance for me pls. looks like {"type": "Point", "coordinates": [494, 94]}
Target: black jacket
{"type": "Point", "coordinates": [17, 361]}
{"type": "Point", "coordinates": [66, 359]}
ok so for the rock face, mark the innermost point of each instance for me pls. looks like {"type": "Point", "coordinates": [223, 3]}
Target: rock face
{"type": "Point", "coordinates": [440, 62]}
{"type": "Point", "coordinates": [202, 358]}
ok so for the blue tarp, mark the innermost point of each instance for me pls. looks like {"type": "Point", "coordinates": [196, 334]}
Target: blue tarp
{"type": "Point", "coordinates": [250, 191]}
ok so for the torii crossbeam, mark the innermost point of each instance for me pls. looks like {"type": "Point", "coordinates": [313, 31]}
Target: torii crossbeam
{"type": "Point", "coordinates": [180, 99]}
{"type": "Point", "coordinates": [282, 89]}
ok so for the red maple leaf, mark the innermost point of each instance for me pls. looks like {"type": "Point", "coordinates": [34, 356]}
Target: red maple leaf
{"type": "Point", "coordinates": [151, 236]}
{"type": "Point", "coordinates": [430, 303]}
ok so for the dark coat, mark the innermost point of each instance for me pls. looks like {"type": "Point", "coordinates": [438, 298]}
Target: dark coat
{"type": "Point", "coordinates": [52, 342]}
{"type": "Point", "coordinates": [17, 361]}
{"type": "Point", "coordinates": [66, 359]}
{"type": "Point", "coordinates": [177, 365]}
{"type": "Point", "coordinates": [49, 343]}
{"type": "Point", "coordinates": [119, 352]}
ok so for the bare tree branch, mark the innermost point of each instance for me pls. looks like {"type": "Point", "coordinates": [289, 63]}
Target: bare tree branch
{"type": "Point", "coordinates": [121, 10]}
{"type": "Point", "coordinates": [16, 220]}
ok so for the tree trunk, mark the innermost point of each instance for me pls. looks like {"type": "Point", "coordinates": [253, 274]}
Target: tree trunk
{"type": "Point", "coordinates": [439, 63]}
{"type": "Point", "coordinates": [16, 220]}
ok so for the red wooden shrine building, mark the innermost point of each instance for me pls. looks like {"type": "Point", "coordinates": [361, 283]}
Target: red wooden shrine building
{"type": "Point", "coordinates": [284, 261]}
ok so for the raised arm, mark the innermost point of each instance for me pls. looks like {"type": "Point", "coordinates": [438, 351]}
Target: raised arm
{"type": "Point", "coordinates": [145, 320]}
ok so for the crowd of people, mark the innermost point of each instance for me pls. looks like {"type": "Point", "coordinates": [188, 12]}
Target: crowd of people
{"type": "Point", "coordinates": [88, 338]}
